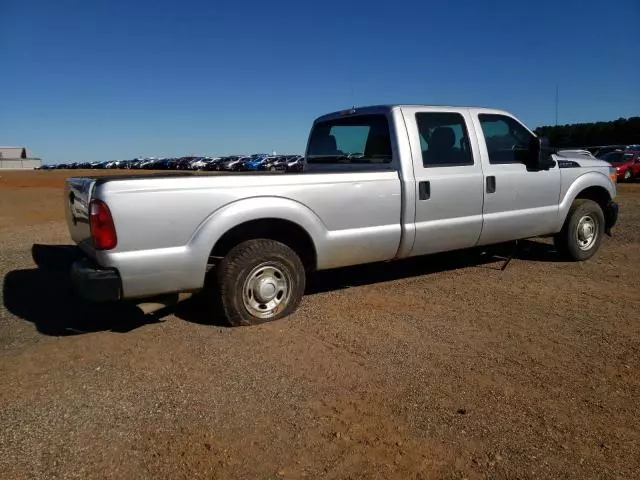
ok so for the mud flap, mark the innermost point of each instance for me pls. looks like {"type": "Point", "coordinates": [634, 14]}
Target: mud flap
{"type": "Point", "coordinates": [610, 217]}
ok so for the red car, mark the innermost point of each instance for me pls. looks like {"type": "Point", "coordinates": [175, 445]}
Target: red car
{"type": "Point", "coordinates": [627, 164]}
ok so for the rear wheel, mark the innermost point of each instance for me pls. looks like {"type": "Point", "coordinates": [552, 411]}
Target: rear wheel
{"type": "Point", "coordinates": [627, 175]}
{"type": "Point", "coordinates": [582, 232]}
{"type": "Point", "coordinates": [260, 281]}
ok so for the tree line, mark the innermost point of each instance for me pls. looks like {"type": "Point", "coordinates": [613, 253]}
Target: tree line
{"type": "Point", "coordinates": [623, 131]}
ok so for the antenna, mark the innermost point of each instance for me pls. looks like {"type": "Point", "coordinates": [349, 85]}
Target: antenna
{"type": "Point", "coordinates": [557, 99]}
{"type": "Point", "coordinates": [353, 93]}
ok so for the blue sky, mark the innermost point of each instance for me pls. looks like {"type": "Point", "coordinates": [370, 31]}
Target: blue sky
{"type": "Point", "coordinates": [118, 79]}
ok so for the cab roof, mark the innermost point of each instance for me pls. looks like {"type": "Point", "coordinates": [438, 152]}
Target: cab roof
{"type": "Point", "coordinates": [386, 108]}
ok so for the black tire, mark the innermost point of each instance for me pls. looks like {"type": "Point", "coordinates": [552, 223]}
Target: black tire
{"type": "Point", "coordinates": [241, 264]}
{"type": "Point", "coordinates": [568, 241]}
{"type": "Point", "coordinates": [628, 175]}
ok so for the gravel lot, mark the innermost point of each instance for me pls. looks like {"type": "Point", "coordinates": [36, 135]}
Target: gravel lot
{"type": "Point", "coordinates": [443, 367]}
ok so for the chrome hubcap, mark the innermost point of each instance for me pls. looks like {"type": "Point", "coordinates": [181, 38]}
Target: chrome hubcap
{"type": "Point", "coordinates": [587, 232]}
{"type": "Point", "coordinates": [266, 291]}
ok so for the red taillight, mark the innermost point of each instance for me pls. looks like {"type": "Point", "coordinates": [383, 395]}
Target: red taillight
{"type": "Point", "coordinates": [103, 231]}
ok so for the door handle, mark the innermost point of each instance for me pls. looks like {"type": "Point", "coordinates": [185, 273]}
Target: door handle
{"type": "Point", "coordinates": [491, 184]}
{"type": "Point", "coordinates": [424, 190]}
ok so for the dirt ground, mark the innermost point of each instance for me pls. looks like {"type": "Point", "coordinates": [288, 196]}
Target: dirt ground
{"type": "Point", "coordinates": [443, 367]}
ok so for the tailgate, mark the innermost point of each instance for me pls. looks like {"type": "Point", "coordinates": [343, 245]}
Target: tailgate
{"type": "Point", "coordinates": [77, 197]}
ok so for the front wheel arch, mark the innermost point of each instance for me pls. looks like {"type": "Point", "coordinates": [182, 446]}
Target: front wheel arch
{"type": "Point", "coordinates": [582, 232]}
{"type": "Point", "coordinates": [597, 194]}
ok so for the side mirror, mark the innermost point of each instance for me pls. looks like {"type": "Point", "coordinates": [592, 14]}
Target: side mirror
{"type": "Point", "coordinates": [540, 154]}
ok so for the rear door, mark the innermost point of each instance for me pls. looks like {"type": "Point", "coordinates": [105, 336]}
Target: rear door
{"type": "Point", "coordinates": [448, 179]}
{"type": "Point", "coordinates": [518, 203]}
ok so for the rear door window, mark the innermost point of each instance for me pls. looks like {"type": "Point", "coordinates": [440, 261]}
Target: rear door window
{"type": "Point", "coordinates": [444, 140]}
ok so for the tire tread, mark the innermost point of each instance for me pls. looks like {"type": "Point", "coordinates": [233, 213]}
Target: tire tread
{"type": "Point", "coordinates": [564, 242]}
{"type": "Point", "coordinates": [242, 257]}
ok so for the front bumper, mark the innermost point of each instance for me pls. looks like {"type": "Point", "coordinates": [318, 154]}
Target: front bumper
{"type": "Point", "coordinates": [95, 283]}
{"type": "Point", "coordinates": [610, 216]}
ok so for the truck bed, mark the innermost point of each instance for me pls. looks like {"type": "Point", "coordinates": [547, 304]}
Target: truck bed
{"type": "Point", "coordinates": [167, 224]}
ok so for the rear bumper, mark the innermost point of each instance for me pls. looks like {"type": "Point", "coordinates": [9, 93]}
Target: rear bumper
{"type": "Point", "coordinates": [95, 283]}
{"type": "Point", "coordinates": [610, 216]}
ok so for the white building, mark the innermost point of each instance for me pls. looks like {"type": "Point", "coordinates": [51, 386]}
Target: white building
{"type": "Point", "coordinates": [17, 158]}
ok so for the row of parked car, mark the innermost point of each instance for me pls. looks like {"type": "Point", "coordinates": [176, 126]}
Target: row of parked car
{"type": "Point", "coordinates": [234, 163]}
{"type": "Point", "coordinates": [626, 159]}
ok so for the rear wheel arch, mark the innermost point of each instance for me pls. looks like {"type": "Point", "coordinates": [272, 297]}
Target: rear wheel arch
{"type": "Point", "coordinates": [258, 281]}
{"type": "Point", "coordinates": [284, 231]}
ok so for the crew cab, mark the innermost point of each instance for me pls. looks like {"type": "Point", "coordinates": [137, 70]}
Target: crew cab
{"type": "Point", "coordinates": [380, 183]}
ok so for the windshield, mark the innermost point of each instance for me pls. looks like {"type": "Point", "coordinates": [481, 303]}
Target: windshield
{"type": "Point", "coordinates": [613, 157]}
{"type": "Point", "coordinates": [356, 139]}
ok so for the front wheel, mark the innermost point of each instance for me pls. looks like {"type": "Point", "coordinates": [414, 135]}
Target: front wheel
{"type": "Point", "coordinates": [582, 232]}
{"type": "Point", "coordinates": [627, 175]}
{"type": "Point", "coordinates": [260, 281]}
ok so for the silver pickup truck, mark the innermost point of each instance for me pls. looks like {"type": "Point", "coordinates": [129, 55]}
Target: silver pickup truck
{"type": "Point", "coordinates": [380, 183]}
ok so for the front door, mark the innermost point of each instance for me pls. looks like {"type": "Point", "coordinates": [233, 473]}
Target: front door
{"type": "Point", "coordinates": [518, 203]}
{"type": "Point", "coordinates": [448, 176]}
